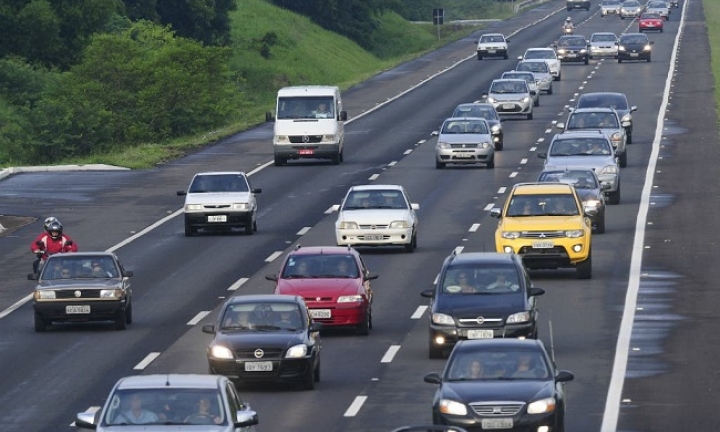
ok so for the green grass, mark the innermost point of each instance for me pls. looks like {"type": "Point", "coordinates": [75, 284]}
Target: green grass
{"type": "Point", "coordinates": [712, 19]}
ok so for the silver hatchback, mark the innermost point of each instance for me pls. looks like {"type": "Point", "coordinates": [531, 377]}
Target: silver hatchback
{"type": "Point", "coordinates": [464, 140]}
{"type": "Point", "coordinates": [530, 79]}
{"type": "Point", "coordinates": [604, 119]}
{"type": "Point", "coordinates": [510, 97]}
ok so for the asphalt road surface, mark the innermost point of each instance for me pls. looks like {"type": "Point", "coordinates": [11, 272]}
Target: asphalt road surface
{"type": "Point", "coordinates": [651, 300]}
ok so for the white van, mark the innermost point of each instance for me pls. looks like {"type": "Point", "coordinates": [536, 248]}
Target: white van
{"type": "Point", "coordinates": [309, 123]}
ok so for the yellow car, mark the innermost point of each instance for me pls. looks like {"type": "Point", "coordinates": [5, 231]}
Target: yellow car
{"type": "Point", "coordinates": [546, 224]}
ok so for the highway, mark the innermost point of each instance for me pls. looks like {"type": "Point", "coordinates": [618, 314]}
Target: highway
{"type": "Point", "coordinates": [374, 383]}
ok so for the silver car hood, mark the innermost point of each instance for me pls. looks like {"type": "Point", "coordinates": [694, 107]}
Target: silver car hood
{"type": "Point", "coordinates": [464, 138]}
{"type": "Point", "coordinates": [585, 162]}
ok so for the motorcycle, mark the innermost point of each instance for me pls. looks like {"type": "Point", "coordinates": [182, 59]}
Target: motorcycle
{"type": "Point", "coordinates": [568, 30]}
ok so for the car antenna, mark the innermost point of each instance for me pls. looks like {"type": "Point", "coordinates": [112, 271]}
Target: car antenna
{"type": "Point", "coordinates": [298, 246]}
{"type": "Point", "coordinates": [167, 380]}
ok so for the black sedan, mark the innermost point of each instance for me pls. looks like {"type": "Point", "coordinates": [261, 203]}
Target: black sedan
{"type": "Point", "coordinates": [634, 46]}
{"type": "Point", "coordinates": [507, 384]}
{"type": "Point", "coordinates": [261, 338]}
{"type": "Point", "coordinates": [572, 48]}
{"type": "Point", "coordinates": [589, 188]}
{"type": "Point", "coordinates": [481, 296]}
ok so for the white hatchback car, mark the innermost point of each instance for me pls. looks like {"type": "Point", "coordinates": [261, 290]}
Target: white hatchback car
{"type": "Point", "coordinates": [377, 215]}
{"type": "Point", "coordinates": [550, 57]}
{"type": "Point", "coordinates": [220, 200]}
{"type": "Point", "coordinates": [492, 45]}
{"type": "Point", "coordinates": [603, 44]}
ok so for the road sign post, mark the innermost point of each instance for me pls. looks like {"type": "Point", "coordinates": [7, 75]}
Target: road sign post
{"type": "Point", "coordinates": [438, 19]}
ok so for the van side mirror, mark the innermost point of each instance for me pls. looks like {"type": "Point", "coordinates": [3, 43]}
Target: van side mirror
{"type": "Point", "coordinates": [342, 116]}
{"type": "Point", "coordinates": [269, 117]}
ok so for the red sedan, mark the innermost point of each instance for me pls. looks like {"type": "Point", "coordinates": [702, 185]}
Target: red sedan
{"type": "Point", "coordinates": [650, 22]}
{"type": "Point", "coordinates": [334, 282]}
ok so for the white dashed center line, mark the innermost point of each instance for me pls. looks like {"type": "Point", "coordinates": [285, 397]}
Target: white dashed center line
{"type": "Point", "coordinates": [273, 257]}
{"type": "Point", "coordinates": [373, 177]}
{"type": "Point", "coordinates": [303, 231]}
{"type": "Point", "coordinates": [390, 354]}
{"type": "Point", "coordinates": [502, 190]}
{"type": "Point", "coordinates": [419, 312]}
{"type": "Point", "coordinates": [198, 318]}
{"type": "Point", "coordinates": [489, 207]}
{"type": "Point", "coordinates": [238, 283]}
{"type": "Point", "coordinates": [147, 360]}
{"type": "Point", "coordinates": [474, 227]}
{"type": "Point", "coordinates": [355, 406]}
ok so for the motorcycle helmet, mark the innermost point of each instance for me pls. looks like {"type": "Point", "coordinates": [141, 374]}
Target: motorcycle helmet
{"type": "Point", "coordinates": [48, 222]}
{"type": "Point", "coordinates": [55, 230]}
{"type": "Point", "coordinates": [568, 19]}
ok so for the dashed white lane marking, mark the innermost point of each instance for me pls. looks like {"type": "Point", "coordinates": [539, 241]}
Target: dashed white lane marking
{"type": "Point", "coordinates": [238, 283]}
{"type": "Point", "coordinates": [303, 231]}
{"type": "Point", "coordinates": [541, 140]}
{"type": "Point", "coordinates": [421, 141]}
{"type": "Point", "coordinates": [459, 249]}
{"type": "Point", "coordinates": [489, 207]}
{"type": "Point", "coordinates": [407, 152]}
{"type": "Point", "coordinates": [547, 131]}
{"type": "Point", "coordinates": [16, 305]}
{"type": "Point", "coordinates": [393, 163]}
{"type": "Point", "coordinates": [92, 409]}
{"type": "Point", "coordinates": [373, 177]}
{"type": "Point", "coordinates": [474, 227]}
{"type": "Point", "coordinates": [330, 210]}
{"type": "Point", "coordinates": [390, 354]}
{"type": "Point", "coordinates": [502, 190]}
{"type": "Point", "coordinates": [355, 406]}
{"type": "Point", "coordinates": [419, 312]}
{"type": "Point", "coordinates": [513, 174]}
{"type": "Point", "coordinates": [199, 317]}
{"type": "Point", "coordinates": [523, 161]}
{"type": "Point", "coordinates": [532, 149]}
{"type": "Point", "coordinates": [273, 256]}
{"type": "Point", "coordinates": [146, 361]}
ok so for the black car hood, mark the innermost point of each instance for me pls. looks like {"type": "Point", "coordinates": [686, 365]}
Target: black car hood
{"type": "Point", "coordinates": [497, 390]}
{"type": "Point", "coordinates": [260, 339]}
{"type": "Point", "coordinates": [586, 194]}
{"type": "Point", "coordinates": [634, 46]}
{"type": "Point", "coordinates": [472, 305]}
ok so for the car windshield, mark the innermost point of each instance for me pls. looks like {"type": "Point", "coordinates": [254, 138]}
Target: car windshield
{"type": "Point", "coordinates": [80, 267]}
{"type": "Point", "coordinates": [515, 86]}
{"type": "Point", "coordinates": [263, 316]}
{"type": "Point", "coordinates": [603, 38]}
{"type": "Point", "coordinates": [610, 3]}
{"type": "Point", "coordinates": [542, 205]}
{"type": "Point", "coordinates": [629, 4]}
{"type": "Point", "coordinates": [533, 67]}
{"type": "Point", "coordinates": [486, 112]}
{"type": "Point", "coordinates": [321, 266]}
{"type": "Point", "coordinates": [579, 179]}
{"type": "Point", "coordinates": [219, 183]}
{"type": "Point", "coordinates": [540, 54]}
{"type": "Point", "coordinates": [580, 147]}
{"type": "Point", "coordinates": [505, 364]}
{"type": "Point", "coordinates": [466, 126]}
{"type": "Point", "coordinates": [649, 16]}
{"type": "Point", "coordinates": [528, 77]}
{"type": "Point", "coordinates": [491, 38]}
{"type": "Point", "coordinates": [600, 120]}
{"type": "Point", "coordinates": [480, 279]}
{"type": "Point", "coordinates": [375, 199]}
{"type": "Point", "coordinates": [305, 107]}
{"type": "Point", "coordinates": [634, 39]}
{"type": "Point", "coordinates": [565, 42]}
{"type": "Point", "coordinates": [165, 406]}
{"type": "Point", "coordinates": [614, 101]}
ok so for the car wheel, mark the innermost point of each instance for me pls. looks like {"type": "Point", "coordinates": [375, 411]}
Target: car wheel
{"type": "Point", "coordinates": [499, 146]}
{"type": "Point", "coordinates": [280, 161]}
{"type": "Point", "coordinates": [587, 60]}
{"type": "Point", "coordinates": [439, 165]}
{"type": "Point", "coordinates": [491, 163]}
{"type": "Point", "coordinates": [629, 138]}
{"type": "Point", "coordinates": [505, 56]}
{"type": "Point", "coordinates": [619, 60]}
{"type": "Point", "coordinates": [584, 269]}
{"type": "Point", "coordinates": [129, 314]}
{"type": "Point", "coordinates": [530, 116]}
{"type": "Point", "coordinates": [661, 30]}
{"type": "Point", "coordinates": [363, 329]}
{"type": "Point", "coordinates": [623, 160]}
{"type": "Point", "coordinates": [479, 57]}
{"type": "Point", "coordinates": [600, 224]}
{"type": "Point", "coordinates": [121, 321]}
{"type": "Point", "coordinates": [317, 371]}
{"type": "Point", "coordinates": [189, 230]}
{"type": "Point", "coordinates": [308, 382]}
{"type": "Point", "coordinates": [335, 159]}
{"type": "Point", "coordinates": [536, 102]}
{"type": "Point", "coordinates": [614, 197]}
{"type": "Point", "coordinates": [559, 77]}
{"type": "Point", "coordinates": [434, 352]}
{"type": "Point", "coordinates": [342, 155]}
{"type": "Point", "coordinates": [550, 90]}
{"type": "Point", "coordinates": [648, 59]}
{"type": "Point", "coordinates": [410, 247]}
{"type": "Point", "coordinates": [40, 324]}
{"type": "Point", "coordinates": [250, 227]}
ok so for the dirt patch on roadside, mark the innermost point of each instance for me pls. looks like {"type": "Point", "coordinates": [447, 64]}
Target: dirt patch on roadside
{"type": "Point", "coordinates": [11, 223]}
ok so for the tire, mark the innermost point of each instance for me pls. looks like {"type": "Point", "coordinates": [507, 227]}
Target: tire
{"type": "Point", "coordinates": [410, 247]}
{"type": "Point", "coordinates": [648, 59]}
{"type": "Point", "coordinates": [439, 165]}
{"type": "Point", "coordinates": [584, 269]}
{"type": "Point", "coordinates": [363, 329]}
{"type": "Point", "coordinates": [559, 77]}
{"type": "Point", "coordinates": [614, 197]}
{"type": "Point", "coordinates": [491, 163]}
{"type": "Point", "coordinates": [499, 146]}
{"type": "Point", "coordinates": [600, 225]}
{"type": "Point", "coordinates": [121, 321]}
{"type": "Point", "coordinates": [530, 116]}
{"type": "Point", "coordinates": [40, 324]}
{"type": "Point", "coordinates": [629, 138]}
{"type": "Point", "coordinates": [623, 160]}
{"type": "Point", "coordinates": [308, 382]}
{"type": "Point", "coordinates": [619, 60]}
{"type": "Point", "coordinates": [189, 230]}
{"type": "Point", "coordinates": [479, 57]}
{"type": "Point", "coordinates": [317, 372]}
{"type": "Point", "coordinates": [279, 161]}
{"type": "Point", "coordinates": [505, 56]}
{"type": "Point", "coordinates": [587, 60]}
{"type": "Point", "coordinates": [550, 90]}
{"type": "Point", "coordinates": [434, 352]}
{"type": "Point", "coordinates": [536, 102]}
{"type": "Point", "coordinates": [335, 159]}
{"type": "Point", "coordinates": [342, 155]}
{"type": "Point", "coordinates": [129, 314]}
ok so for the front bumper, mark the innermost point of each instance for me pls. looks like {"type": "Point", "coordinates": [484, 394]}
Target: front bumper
{"type": "Point", "coordinates": [596, 51]}
{"type": "Point", "coordinates": [464, 156]}
{"type": "Point", "coordinates": [100, 310]}
{"type": "Point", "coordinates": [307, 151]}
{"type": "Point", "coordinates": [637, 55]}
{"type": "Point", "coordinates": [513, 107]}
{"type": "Point", "coordinates": [341, 314]}
{"type": "Point", "coordinates": [563, 253]}
{"type": "Point", "coordinates": [492, 52]}
{"type": "Point", "coordinates": [544, 85]}
{"type": "Point", "coordinates": [573, 57]}
{"type": "Point", "coordinates": [283, 370]}
{"type": "Point", "coordinates": [522, 422]}
{"type": "Point", "coordinates": [374, 237]}
{"type": "Point", "coordinates": [232, 219]}
{"type": "Point", "coordinates": [452, 335]}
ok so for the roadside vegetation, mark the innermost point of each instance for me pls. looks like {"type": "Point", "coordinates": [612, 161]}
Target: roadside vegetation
{"type": "Point", "coordinates": [712, 18]}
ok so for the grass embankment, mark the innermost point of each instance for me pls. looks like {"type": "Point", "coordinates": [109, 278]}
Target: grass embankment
{"type": "Point", "coordinates": [274, 47]}
{"type": "Point", "coordinates": [712, 19]}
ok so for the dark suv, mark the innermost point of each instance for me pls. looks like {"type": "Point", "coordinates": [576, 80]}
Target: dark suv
{"type": "Point", "coordinates": [572, 48]}
{"type": "Point", "coordinates": [578, 4]}
{"type": "Point", "coordinates": [481, 296]}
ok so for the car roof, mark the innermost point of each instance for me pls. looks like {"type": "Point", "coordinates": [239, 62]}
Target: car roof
{"type": "Point", "coordinates": [138, 382]}
{"type": "Point", "coordinates": [376, 187]}
{"type": "Point", "coordinates": [542, 188]}
{"type": "Point", "coordinates": [539, 49]}
{"type": "Point", "coordinates": [513, 80]}
{"type": "Point", "coordinates": [579, 133]}
{"type": "Point", "coordinates": [592, 110]}
{"type": "Point", "coordinates": [480, 257]}
{"type": "Point", "coordinates": [311, 90]}
{"type": "Point", "coordinates": [324, 250]}
{"type": "Point", "coordinates": [84, 254]}
{"type": "Point", "coordinates": [603, 33]}
{"type": "Point", "coordinates": [493, 34]}
{"type": "Point", "coordinates": [597, 94]}
{"type": "Point", "coordinates": [464, 118]}
{"type": "Point", "coordinates": [266, 298]}
{"type": "Point", "coordinates": [512, 343]}
{"type": "Point", "coordinates": [220, 173]}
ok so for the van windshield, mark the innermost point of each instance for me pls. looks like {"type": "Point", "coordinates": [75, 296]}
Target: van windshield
{"type": "Point", "coordinates": [305, 107]}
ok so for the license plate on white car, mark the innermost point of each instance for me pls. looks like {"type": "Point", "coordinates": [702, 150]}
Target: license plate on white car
{"type": "Point", "coordinates": [84, 309]}
{"type": "Point", "coordinates": [480, 334]}
{"type": "Point", "coordinates": [258, 366]}
{"type": "Point", "coordinates": [320, 313]}
{"type": "Point", "coordinates": [219, 218]}
{"type": "Point", "coordinates": [508, 106]}
{"type": "Point", "coordinates": [373, 237]}
{"type": "Point", "coordinates": [499, 423]}
{"type": "Point", "coordinates": [491, 51]}
{"type": "Point", "coordinates": [544, 244]}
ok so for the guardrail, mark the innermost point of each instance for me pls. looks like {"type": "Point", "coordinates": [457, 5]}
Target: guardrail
{"type": "Point", "coordinates": [524, 3]}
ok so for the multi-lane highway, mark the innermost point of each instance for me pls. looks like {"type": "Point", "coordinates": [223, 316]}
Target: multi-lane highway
{"type": "Point", "coordinates": [664, 373]}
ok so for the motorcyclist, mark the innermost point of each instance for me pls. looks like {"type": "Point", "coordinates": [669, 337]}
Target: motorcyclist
{"type": "Point", "coordinates": [568, 26]}
{"type": "Point", "coordinates": [50, 242]}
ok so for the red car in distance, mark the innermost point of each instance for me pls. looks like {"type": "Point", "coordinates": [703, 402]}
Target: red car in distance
{"type": "Point", "coordinates": [650, 22]}
{"type": "Point", "coordinates": [334, 282]}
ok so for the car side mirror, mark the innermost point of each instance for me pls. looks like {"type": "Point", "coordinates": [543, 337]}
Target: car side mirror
{"type": "Point", "coordinates": [415, 206]}
{"type": "Point", "coordinates": [564, 376]}
{"type": "Point", "coordinates": [495, 212]}
{"type": "Point", "coordinates": [605, 186]}
{"type": "Point", "coordinates": [32, 276]}
{"type": "Point", "coordinates": [519, 57]}
{"type": "Point", "coordinates": [652, 42]}
{"type": "Point", "coordinates": [128, 273]}
{"type": "Point", "coordinates": [315, 326]}
{"type": "Point", "coordinates": [484, 95]}
{"type": "Point", "coordinates": [342, 116]}
{"type": "Point", "coordinates": [542, 155]}
{"type": "Point", "coordinates": [87, 420]}
{"type": "Point", "coordinates": [271, 278]}
{"type": "Point", "coordinates": [335, 207]}
{"type": "Point", "coordinates": [245, 418]}
{"type": "Point", "coordinates": [181, 193]}
{"type": "Point", "coordinates": [371, 276]}
{"type": "Point", "coordinates": [269, 117]}
{"type": "Point", "coordinates": [590, 211]}
{"type": "Point", "coordinates": [560, 125]}
{"type": "Point", "coordinates": [433, 378]}
{"type": "Point", "coordinates": [633, 108]}
{"type": "Point", "coordinates": [208, 328]}
{"type": "Point", "coordinates": [435, 133]}
{"type": "Point", "coordinates": [256, 190]}
{"type": "Point", "coordinates": [428, 293]}
{"type": "Point", "coordinates": [533, 291]}
{"type": "Point", "coordinates": [507, 40]}
{"type": "Point", "coordinates": [533, 92]}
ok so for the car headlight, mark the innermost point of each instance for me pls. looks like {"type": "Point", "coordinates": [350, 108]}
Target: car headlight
{"type": "Point", "coordinates": [541, 406]}
{"type": "Point", "coordinates": [283, 139]}
{"type": "Point", "coordinates": [647, 48]}
{"type": "Point", "coordinates": [448, 406]}
{"type": "Point", "coordinates": [526, 99]}
{"type": "Point", "coordinates": [328, 138]}
{"type": "Point", "coordinates": [241, 206]}
{"type": "Point", "coordinates": [495, 129]}
{"type": "Point", "coordinates": [626, 118]}
{"type": "Point", "coordinates": [616, 137]}
{"type": "Point", "coordinates": [193, 207]}
{"type": "Point", "coordinates": [44, 295]}
{"type": "Point", "coordinates": [111, 293]}
{"type": "Point", "coordinates": [583, 51]}
{"type": "Point", "coordinates": [574, 233]}
{"type": "Point", "coordinates": [399, 224]}
{"type": "Point", "coordinates": [609, 169]}
{"type": "Point", "coordinates": [444, 145]}
{"type": "Point", "coordinates": [491, 100]}
{"type": "Point", "coordinates": [594, 203]}
{"type": "Point", "coordinates": [510, 234]}
{"type": "Point", "coordinates": [347, 225]}
{"type": "Point", "coordinates": [519, 317]}
{"type": "Point", "coordinates": [221, 352]}
{"type": "Point", "coordinates": [297, 351]}
{"type": "Point", "coordinates": [442, 319]}
{"type": "Point", "coordinates": [350, 299]}
{"type": "Point", "coordinates": [621, 48]}
{"type": "Point", "coordinates": [484, 145]}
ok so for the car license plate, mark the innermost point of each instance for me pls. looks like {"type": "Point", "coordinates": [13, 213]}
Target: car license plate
{"type": "Point", "coordinates": [265, 366]}
{"type": "Point", "coordinates": [373, 237]}
{"type": "Point", "coordinates": [306, 151]}
{"type": "Point", "coordinates": [634, 54]}
{"type": "Point", "coordinates": [570, 55]}
{"type": "Point", "coordinates": [220, 218]}
{"type": "Point", "coordinates": [544, 244]}
{"type": "Point", "coordinates": [463, 155]}
{"type": "Point", "coordinates": [320, 313]}
{"type": "Point", "coordinates": [492, 51]}
{"type": "Point", "coordinates": [499, 423]}
{"type": "Point", "coordinates": [508, 106]}
{"type": "Point", "coordinates": [84, 309]}
{"type": "Point", "coordinates": [480, 334]}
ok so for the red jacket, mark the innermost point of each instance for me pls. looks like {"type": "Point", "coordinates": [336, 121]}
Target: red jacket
{"type": "Point", "coordinates": [51, 246]}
